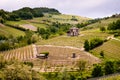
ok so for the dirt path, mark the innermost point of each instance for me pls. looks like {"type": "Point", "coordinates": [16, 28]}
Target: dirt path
{"type": "Point", "coordinates": [112, 37]}
{"type": "Point", "coordinates": [34, 50]}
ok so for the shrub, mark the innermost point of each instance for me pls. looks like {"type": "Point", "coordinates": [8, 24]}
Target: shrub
{"type": "Point", "coordinates": [86, 45]}
{"type": "Point", "coordinates": [97, 71]}
{"type": "Point", "coordinates": [102, 54]}
{"type": "Point", "coordinates": [95, 43]}
{"type": "Point", "coordinates": [109, 67]}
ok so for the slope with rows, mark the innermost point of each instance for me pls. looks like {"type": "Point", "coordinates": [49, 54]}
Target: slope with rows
{"type": "Point", "coordinates": [24, 53]}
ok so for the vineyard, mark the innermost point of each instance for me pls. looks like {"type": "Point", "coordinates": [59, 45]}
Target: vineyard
{"type": "Point", "coordinates": [111, 50]}
{"type": "Point", "coordinates": [24, 53]}
{"type": "Point", "coordinates": [59, 56]}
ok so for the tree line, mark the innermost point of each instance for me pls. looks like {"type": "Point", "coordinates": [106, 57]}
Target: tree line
{"type": "Point", "coordinates": [11, 42]}
{"type": "Point", "coordinates": [25, 13]}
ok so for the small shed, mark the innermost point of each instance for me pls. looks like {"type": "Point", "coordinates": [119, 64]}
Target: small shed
{"type": "Point", "coordinates": [73, 31]}
{"type": "Point", "coordinates": [42, 55]}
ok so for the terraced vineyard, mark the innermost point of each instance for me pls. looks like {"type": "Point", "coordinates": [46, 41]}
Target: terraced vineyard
{"type": "Point", "coordinates": [111, 50]}
{"type": "Point", "coordinates": [62, 55]}
{"type": "Point", "coordinates": [24, 53]}
{"type": "Point", "coordinates": [59, 56]}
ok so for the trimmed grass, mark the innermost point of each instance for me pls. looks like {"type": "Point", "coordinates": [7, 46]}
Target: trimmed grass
{"type": "Point", "coordinates": [111, 50]}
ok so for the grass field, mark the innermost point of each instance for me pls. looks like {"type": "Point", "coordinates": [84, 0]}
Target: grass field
{"type": "Point", "coordinates": [5, 30]}
{"type": "Point", "coordinates": [102, 23]}
{"type": "Point", "coordinates": [111, 50]}
{"type": "Point", "coordinates": [76, 41]}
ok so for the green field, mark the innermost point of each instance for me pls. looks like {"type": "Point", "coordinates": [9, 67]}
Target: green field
{"type": "Point", "coordinates": [45, 21]}
{"type": "Point", "coordinates": [102, 23]}
{"type": "Point", "coordinates": [5, 30]}
{"type": "Point", "coordinates": [76, 41]}
{"type": "Point", "coordinates": [111, 50]}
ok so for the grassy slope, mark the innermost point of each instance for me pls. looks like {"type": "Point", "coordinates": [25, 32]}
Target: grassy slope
{"type": "Point", "coordinates": [67, 18]}
{"type": "Point", "coordinates": [5, 30]}
{"type": "Point", "coordinates": [103, 23]}
{"type": "Point", "coordinates": [77, 41]}
{"type": "Point", "coordinates": [45, 21]}
{"type": "Point", "coordinates": [111, 50]}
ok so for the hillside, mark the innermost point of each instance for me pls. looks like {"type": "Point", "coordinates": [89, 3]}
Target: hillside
{"type": "Point", "coordinates": [77, 41]}
{"type": "Point", "coordinates": [111, 50]}
{"type": "Point", "coordinates": [7, 31]}
{"type": "Point", "coordinates": [101, 23]}
{"type": "Point", "coordinates": [47, 21]}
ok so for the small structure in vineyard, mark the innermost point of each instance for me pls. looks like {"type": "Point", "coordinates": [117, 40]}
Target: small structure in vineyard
{"type": "Point", "coordinates": [73, 55]}
{"type": "Point", "coordinates": [42, 55]}
{"type": "Point", "coordinates": [73, 31]}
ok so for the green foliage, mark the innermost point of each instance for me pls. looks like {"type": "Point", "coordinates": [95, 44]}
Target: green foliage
{"type": "Point", "coordinates": [15, 70]}
{"type": "Point", "coordinates": [89, 45]}
{"type": "Point", "coordinates": [114, 25]}
{"type": "Point", "coordinates": [86, 45]}
{"type": "Point", "coordinates": [2, 20]}
{"type": "Point", "coordinates": [13, 17]}
{"type": "Point", "coordinates": [81, 64]}
{"type": "Point", "coordinates": [95, 42]}
{"type": "Point", "coordinates": [7, 43]}
{"type": "Point", "coordinates": [4, 45]}
{"type": "Point", "coordinates": [102, 54]}
{"type": "Point", "coordinates": [64, 75]}
{"type": "Point", "coordinates": [29, 63]}
{"type": "Point", "coordinates": [109, 67]}
{"type": "Point", "coordinates": [102, 29]}
{"type": "Point", "coordinates": [74, 18]}
{"type": "Point", "coordinates": [3, 62]}
{"type": "Point", "coordinates": [97, 71]}
{"type": "Point", "coordinates": [2, 37]}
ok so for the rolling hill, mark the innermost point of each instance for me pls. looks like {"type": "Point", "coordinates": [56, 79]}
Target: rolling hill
{"type": "Point", "coordinates": [7, 31]}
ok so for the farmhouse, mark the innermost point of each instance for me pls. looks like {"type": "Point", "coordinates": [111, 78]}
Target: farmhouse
{"type": "Point", "coordinates": [73, 31]}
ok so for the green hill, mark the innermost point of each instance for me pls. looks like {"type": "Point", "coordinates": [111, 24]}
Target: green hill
{"type": "Point", "coordinates": [6, 30]}
{"type": "Point", "coordinates": [101, 23]}
{"type": "Point", "coordinates": [47, 20]}
{"type": "Point", "coordinates": [111, 50]}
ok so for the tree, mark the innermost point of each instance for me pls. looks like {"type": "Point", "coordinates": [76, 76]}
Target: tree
{"type": "Point", "coordinates": [81, 65]}
{"type": "Point", "coordinates": [86, 45]}
{"type": "Point", "coordinates": [97, 71]}
{"type": "Point", "coordinates": [64, 75]}
{"type": "Point", "coordinates": [95, 43]}
{"type": "Point", "coordinates": [102, 29]}
{"type": "Point", "coordinates": [16, 70]}
{"type": "Point", "coordinates": [114, 25]}
{"type": "Point", "coordinates": [102, 54]}
{"type": "Point", "coordinates": [41, 31]}
{"type": "Point", "coordinates": [109, 67]}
